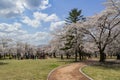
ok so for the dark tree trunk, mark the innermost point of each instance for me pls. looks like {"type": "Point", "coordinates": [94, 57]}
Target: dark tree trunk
{"type": "Point", "coordinates": [67, 56]}
{"type": "Point", "coordinates": [102, 56]}
{"type": "Point", "coordinates": [96, 55]}
{"type": "Point", "coordinates": [118, 56]}
{"type": "Point", "coordinates": [61, 56]}
{"type": "Point", "coordinates": [76, 55]}
{"type": "Point", "coordinates": [0, 56]}
{"type": "Point", "coordinates": [80, 55]}
{"type": "Point", "coordinates": [54, 55]}
{"type": "Point", "coordinates": [4, 56]}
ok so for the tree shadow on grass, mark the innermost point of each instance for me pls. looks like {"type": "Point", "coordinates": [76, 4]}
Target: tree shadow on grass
{"type": "Point", "coordinates": [114, 65]}
{"type": "Point", "coordinates": [3, 63]}
{"type": "Point", "coordinates": [66, 61]}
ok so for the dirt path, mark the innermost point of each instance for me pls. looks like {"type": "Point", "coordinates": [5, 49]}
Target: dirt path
{"type": "Point", "coordinates": [69, 72]}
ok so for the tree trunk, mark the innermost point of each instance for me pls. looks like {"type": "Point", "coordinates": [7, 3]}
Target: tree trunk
{"type": "Point", "coordinates": [75, 55]}
{"type": "Point", "coordinates": [67, 56]}
{"type": "Point", "coordinates": [80, 55]}
{"type": "Point", "coordinates": [61, 56]}
{"type": "Point", "coordinates": [102, 56]}
{"type": "Point", "coordinates": [118, 56]}
{"type": "Point", "coordinates": [0, 56]}
{"type": "Point", "coordinates": [54, 55]}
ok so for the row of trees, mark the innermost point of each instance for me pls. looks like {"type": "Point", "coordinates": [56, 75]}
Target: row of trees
{"type": "Point", "coordinates": [19, 50]}
{"type": "Point", "coordinates": [101, 31]}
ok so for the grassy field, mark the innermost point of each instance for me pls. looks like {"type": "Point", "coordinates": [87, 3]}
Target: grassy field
{"type": "Point", "coordinates": [28, 69]}
{"type": "Point", "coordinates": [109, 72]}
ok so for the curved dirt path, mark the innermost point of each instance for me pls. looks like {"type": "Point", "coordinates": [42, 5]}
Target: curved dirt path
{"type": "Point", "coordinates": [69, 72]}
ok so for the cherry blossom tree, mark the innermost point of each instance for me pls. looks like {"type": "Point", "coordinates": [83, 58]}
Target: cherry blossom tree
{"type": "Point", "coordinates": [104, 27]}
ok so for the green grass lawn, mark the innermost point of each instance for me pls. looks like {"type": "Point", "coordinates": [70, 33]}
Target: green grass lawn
{"type": "Point", "coordinates": [28, 69]}
{"type": "Point", "coordinates": [109, 72]}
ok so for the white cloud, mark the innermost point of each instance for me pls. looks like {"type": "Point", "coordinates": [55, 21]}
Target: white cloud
{"type": "Point", "coordinates": [34, 23]}
{"type": "Point", "coordinates": [4, 27]}
{"type": "Point", "coordinates": [41, 38]}
{"type": "Point", "coordinates": [31, 4]}
{"type": "Point", "coordinates": [14, 27]}
{"type": "Point", "coordinates": [15, 32]}
{"type": "Point", "coordinates": [38, 17]}
{"type": "Point", "coordinates": [36, 38]}
{"type": "Point", "coordinates": [45, 4]}
{"type": "Point", "coordinates": [39, 4]}
{"type": "Point", "coordinates": [14, 8]}
{"type": "Point", "coordinates": [10, 8]}
{"type": "Point", "coordinates": [56, 25]}
{"type": "Point", "coordinates": [11, 30]}
{"type": "Point", "coordinates": [52, 17]}
{"type": "Point", "coordinates": [45, 17]}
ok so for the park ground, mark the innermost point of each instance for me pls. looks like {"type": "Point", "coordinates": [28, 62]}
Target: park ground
{"type": "Point", "coordinates": [109, 70]}
{"type": "Point", "coordinates": [28, 69]}
{"type": "Point", "coordinates": [39, 69]}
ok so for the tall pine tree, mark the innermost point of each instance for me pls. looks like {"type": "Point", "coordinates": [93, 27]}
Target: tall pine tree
{"type": "Point", "coordinates": [75, 16]}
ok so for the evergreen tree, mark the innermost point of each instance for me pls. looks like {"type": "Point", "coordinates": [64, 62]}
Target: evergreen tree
{"type": "Point", "coordinates": [72, 38]}
{"type": "Point", "coordinates": [75, 16]}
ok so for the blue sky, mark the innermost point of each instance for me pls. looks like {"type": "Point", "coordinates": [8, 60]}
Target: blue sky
{"type": "Point", "coordinates": [32, 21]}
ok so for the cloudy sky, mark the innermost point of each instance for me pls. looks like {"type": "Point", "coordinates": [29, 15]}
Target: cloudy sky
{"type": "Point", "coordinates": [32, 21]}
